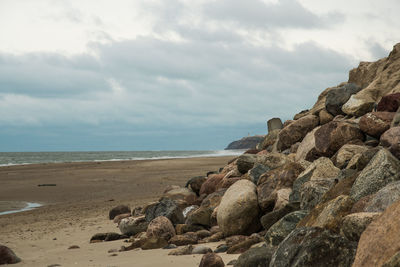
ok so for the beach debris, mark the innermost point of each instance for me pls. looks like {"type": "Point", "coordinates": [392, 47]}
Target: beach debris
{"type": "Point", "coordinates": [54, 265]}
{"type": "Point", "coordinates": [7, 256]}
{"type": "Point", "coordinates": [113, 250]}
{"type": "Point", "coordinates": [74, 247]}
{"type": "Point", "coordinates": [211, 260]}
{"type": "Point", "coordinates": [111, 236]}
{"type": "Point", "coordinates": [47, 185]}
{"type": "Point", "coordinates": [170, 246]}
{"type": "Point", "coordinates": [121, 209]}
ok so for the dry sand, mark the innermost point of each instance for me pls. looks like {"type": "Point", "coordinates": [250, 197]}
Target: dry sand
{"type": "Point", "coordinates": [77, 207]}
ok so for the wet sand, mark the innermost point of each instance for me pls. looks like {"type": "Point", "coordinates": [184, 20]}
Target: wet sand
{"type": "Point", "coordinates": [77, 207]}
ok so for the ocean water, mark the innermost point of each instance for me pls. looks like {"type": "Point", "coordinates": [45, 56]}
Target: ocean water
{"type": "Point", "coordinates": [18, 158]}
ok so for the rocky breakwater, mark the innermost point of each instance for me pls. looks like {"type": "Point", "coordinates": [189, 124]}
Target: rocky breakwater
{"type": "Point", "coordinates": [322, 191]}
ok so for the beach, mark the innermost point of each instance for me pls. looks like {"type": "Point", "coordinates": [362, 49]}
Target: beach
{"type": "Point", "coordinates": [76, 199]}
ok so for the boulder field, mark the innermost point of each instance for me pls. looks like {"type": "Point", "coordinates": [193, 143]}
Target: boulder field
{"type": "Point", "coordinates": [322, 189]}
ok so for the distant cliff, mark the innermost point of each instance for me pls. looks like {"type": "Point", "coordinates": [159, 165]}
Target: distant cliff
{"type": "Point", "coordinates": [246, 142]}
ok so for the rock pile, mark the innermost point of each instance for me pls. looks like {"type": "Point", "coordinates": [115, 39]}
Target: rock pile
{"type": "Point", "coordinates": [320, 190]}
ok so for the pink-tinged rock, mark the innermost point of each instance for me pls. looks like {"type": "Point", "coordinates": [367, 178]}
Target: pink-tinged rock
{"type": "Point", "coordinates": [7, 256]}
{"type": "Point", "coordinates": [376, 123]}
{"type": "Point", "coordinates": [210, 185]}
{"type": "Point", "coordinates": [333, 135]}
{"type": "Point", "coordinates": [296, 131]}
{"type": "Point", "coordinates": [391, 140]}
{"type": "Point", "coordinates": [380, 240]}
{"type": "Point", "coordinates": [389, 103]}
{"type": "Point", "coordinates": [160, 227]}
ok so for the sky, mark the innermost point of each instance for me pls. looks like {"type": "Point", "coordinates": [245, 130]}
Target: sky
{"type": "Point", "coordinates": [174, 74]}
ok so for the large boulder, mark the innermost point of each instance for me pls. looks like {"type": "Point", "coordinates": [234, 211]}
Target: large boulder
{"type": "Point", "coordinates": [337, 97]}
{"type": "Point", "coordinates": [7, 256]}
{"type": "Point", "coordinates": [160, 230]}
{"type": "Point", "coordinates": [121, 209]}
{"type": "Point", "coordinates": [333, 135]}
{"type": "Point", "coordinates": [269, 140]}
{"type": "Point", "coordinates": [384, 198]}
{"type": "Point", "coordinates": [380, 240]}
{"type": "Point", "coordinates": [273, 160]}
{"type": "Point", "coordinates": [258, 256]}
{"type": "Point", "coordinates": [391, 140]}
{"type": "Point", "coordinates": [277, 232]}
{"type": "Point", "coordinates": [309, 246]}
{"type": "Point", "coordinates": [239, 204]}
{"type": "Point", "coordinates": [296, 131]}
{"type": "Point", "coordinates": [257, 170]}
{"type": "Point", "coordinates": [389, 103]}
{"type": "Point", "coordinates": [306, 149]}
{"type": "Point", "coordinates": [166, 207]}
{"type": "Point", "coordinates": [311, 192]}
{"type": "Point", "coordinates": [358, 106]}
{"type": "Point", "coordinates": [346, 153]}
{"type": "Point", "coordinates": [376, 123]}
{"type": "Point", "coordinates": [245, 162]}
{"type": "Point", "coordinates": [181, 195]}
{"type": "Point", "coordinates": [354, 224]}
{"type": "Point", "coordinates": [383, 169]}
{"type": "Point", "coordinates": [133, 225]}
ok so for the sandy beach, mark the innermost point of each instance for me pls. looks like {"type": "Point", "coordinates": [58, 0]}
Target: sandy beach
{"type": "Point", "coordinates": [76, 206]}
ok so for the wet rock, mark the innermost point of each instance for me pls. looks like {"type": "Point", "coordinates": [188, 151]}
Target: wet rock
{"type": "Point", "coordinates": [337, 97]}
{"type": "Point", "coordinates": [167, 208]}
{"type": "Point", "coordinates": [211, 260]}
{"type": "Point", "coordinates": [121, 209]}
{"type": "Point", "coordinates": [245, 162]}
{"type": "Point", "coordinates": [346, 153]}
{"type": "Point", "coordinates": [391, 140]}
{"type": "Point", "coordinates": [296, 131]}
{"type": "Point", "coordinates": [354, 224]}
{"type": "Point", "coordinates": [380, 240]}
{"type": "Point", "coordinates": [376, 123]}
{"type": "Point", "coordinates": [309, 246]}
{"type": "Point", "coordinates": [133, 225]}
{"type": "Point", "coordinates": [384, 198]}
{"type": "Point", "coordinates": [239, 205]}
{"type": "Point", "coordinates": [311, 192]}
{"type": "Point", "coordinates": [380, 171]}
{"type": "Point", "coordinates": [259, 257]}
{"type": "Point", "coordinates": [7, 256]}
{"type": "Point", "coordinates": [272, 217]}
{"type": "Point", "coordinates": [201, 250]}
{"type": "Point", "coordinates": [277, 232]}
{"type": "Point", "coordinates": [389, 103]}
{"type": "Point", "coordinates": [195, 183]}
{"type": "Point", "coordinates": [333, 135]}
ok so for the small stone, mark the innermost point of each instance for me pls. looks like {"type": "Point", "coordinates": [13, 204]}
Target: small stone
{"type": "Point", "coordinates": [74, 247]}
{"type": "Point", "coordinates": [211, 260]}
{"type": "Point", "coordinates": [201, 250]}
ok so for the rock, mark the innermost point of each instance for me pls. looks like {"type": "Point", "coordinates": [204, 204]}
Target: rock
{"type": "Point", "coordinates": [354, 224]}
{"type": "Point", "coordinates": [227, 182]}
{"type": "Point", "coordinates": [221, 248]}
{"type": "Point", "coordinates": [272, 217]}
{"type": "Point", "coordinates": [186, 250]}
{"type": "Point", "coordinates": [301, 114]}
{"type": "Point", "coordinates": [269, 140]}
{"type": "Point", "coordinates": [380, 171]}
{"type": "Point", "coordinates": [201, 216]}
{"type": "Point", "coordinates": [75, 247]}
{"type": "Point", "coordinates": [384, 198]}
{"type": "Point", "coordinates": [195, 183]}
{"type": "Point", "coordinates": [259, 257]}
{"type": "Point", "coordinates": [360, 205]}
{"type": "Point", "coordinates": [296, 131]}
{"type": "Point", "coordinates": [391, 140]}
{"type": "Point", "coordinates": [160, 228]}
{"type": "Point", "coordinates": [324, 117]}
{"type": "Point", "coordinates": [337, 97]}
{"type": "Point", "coordinates": [133, 225]}
{"type": "Point", "coordinates": [346, 153]}
{"type": "Point", "coordinates": [277, 232]}
{"type": "Point", "coordinates": [121, 209]}
{"type": "Point", "coordinates": [380, 240]}
{"type": "Point", "coordinates": [396, 119]}
{"type": "Point", "coordinates": [359, 162]}
{"type": "Point", "coordinates": [306, 149]}
{"type": "Point", "coordinates": [185, 239]}
{"type": "Point", "coordinates": [235, 239]}
{"type": "Point", "coordinates": [186, 211]}
{"type": "Point", "coordinates": [394, 261]}
{"type": "Point", "coordinates": [170, 246]}
{"type": "Point", "coordinates": [244, 245]}
{"type": "Point", "coordinates": [257, 170]}
{"type": "Point", "coordinates": [210, 185]}
{"type": "Point", "coordinates": [309, 246]}
{"type": "Point", "coordinates": [214, 238]}
{"type": "Point", "coordinates": [274, 124]}
{"type": "Point", "coordinates": [320, 168]}
{"type": "Point", "coordinates": [273, 160]}
{"type": "Point", "coordinates": [181, 195]}
{"type": "Point", "coordinates": [118, 218]}
{"type": "Point", "coordinates": [201, 250]}
{"type": "Point", "coordinates": [246, 142]}
{"type": "Point", "coordinates": [166, 207]}
{"type": "Point", "coordinates": [202, 234]}
{"type": "Point", "coordinates": [311, 192]}
{"type": "Point", "coordinates": [184, 228]}
{"type": "Point", "coordinates": [245, 162]}
{"type": "Point", "coordinates": [239, 205]}
{"type": "Point", "coordinates": [282, 198]}
{"type": "Point", "coordinates": [357, 106]}
{"type": "Point", "coordinates": [389, 103]}
{"type": "Point", "coordinates": [376, 123]}
{"type": "Point", "coordinates": [274, 180]}
{"type": "Point", "coordinates": [232, 262]}
{"type": "Point", "coordinates": [99, 237]}
{"type": "Point", "coordinates": [7, 256]}
{"type": "Point", "coordinates": [328, 215]}
{"type": "Point", "coordinates": [330, 137]}
{"type": "Point", "coordinates": [211, 260]}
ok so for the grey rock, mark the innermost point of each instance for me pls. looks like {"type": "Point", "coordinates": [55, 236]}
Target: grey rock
{"type": "Point", "coordinates": [277, 232]}
{"type": "Point", "coordinates": [337, 97]}
{"type": "Point", "coordinates": [274, 124]}
{"type": "Point", "coordinates": [201, 250]}
{"type": "Point", "coordinates": [312, 191]}
{"type": "Point", "coordinates": [255, 257]}
{"type": "Point", "coordinates": [383, 169]}
{"type": "Point", "coordinates": [257, 170]}
{"type": "Point", "coordinates": [133, 225]}
{"type": "Point", "coordinates": [221, 248]}
{"type": "Point", "coordinates": [272, 217]}
{"type": "Point", "coordinates": [309, 246]}
{"type": "Point", "coordinates": [245, 162]}
{"type": "Point", "coordinates": [167, 208]}
{"type": "Point", "coordinates": [384, 198]}
{"type": "Point", "coordinates": [354, 224]}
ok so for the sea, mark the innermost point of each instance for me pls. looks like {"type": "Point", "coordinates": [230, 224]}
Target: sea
{"type": "Point", "coordinates": [21, 158]}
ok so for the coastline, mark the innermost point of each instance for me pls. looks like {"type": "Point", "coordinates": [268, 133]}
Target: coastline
{"type": "Point", "coordinates": [77, 208]}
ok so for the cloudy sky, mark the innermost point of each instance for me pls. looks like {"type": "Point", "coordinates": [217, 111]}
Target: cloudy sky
{"type": "Point", "coordinates": [174, 74]}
